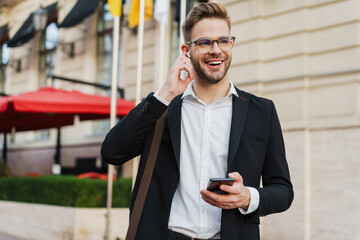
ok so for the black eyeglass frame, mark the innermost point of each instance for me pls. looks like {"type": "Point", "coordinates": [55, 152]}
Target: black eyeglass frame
{"type": "Point", "coordinates": [232, 38]}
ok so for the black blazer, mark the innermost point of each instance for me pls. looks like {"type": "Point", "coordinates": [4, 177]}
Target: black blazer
{"type": "Point", "coordinates": [256, 151]}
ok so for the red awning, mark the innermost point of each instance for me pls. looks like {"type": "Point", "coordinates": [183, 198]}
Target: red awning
{"type": "Point", "coordinates": [50, 107]}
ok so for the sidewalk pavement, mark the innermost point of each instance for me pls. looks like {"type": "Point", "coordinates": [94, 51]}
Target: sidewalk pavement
{"type": "Point", "coordinates": [4, 236]}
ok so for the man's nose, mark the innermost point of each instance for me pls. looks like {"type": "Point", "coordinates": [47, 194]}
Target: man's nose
{"type": "Point", "coordinates": [215, 48]}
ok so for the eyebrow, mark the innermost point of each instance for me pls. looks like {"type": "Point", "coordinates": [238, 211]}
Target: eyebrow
{"type": "Point", "coordinates": [212, 38]}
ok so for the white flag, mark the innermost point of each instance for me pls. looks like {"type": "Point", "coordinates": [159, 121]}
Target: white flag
{"type": "Point", "coordinates": [161, 11]}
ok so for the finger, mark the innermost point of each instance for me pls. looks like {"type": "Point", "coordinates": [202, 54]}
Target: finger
{"type": "Point", "coordinates": [210, 195]}
{"type": "Point", "coordinates": [187, 68]}
{"type": "Point", "coordinates": [184, 63]}
{"type": "Point", "coordinates": [217, 198]}
{"type": "Point", "coordinates": [188, 78]}
{"type": "Point", "coordinates": [207, 194]}
{"type": "Point", "coordinates": [223, 205]}
{"type": "Point", "coordinates": [222, 201]}
{"type": "Point", "coordinates": [235, 189]}
{"type": "Point", "coordinates": [183, 55]}
{"type": "Point", "coordinates": [191, 75]}
{"type": "Point", "coordinates": [237, 177]}
{"type": "Point", "coordinates": [213, 200]}
{"type": "Point", "coordinates": [183, 60]}
{"type": "Point", "coordinates": [191, 72]}
{"type": "Point", "coordinates": [209, 201]}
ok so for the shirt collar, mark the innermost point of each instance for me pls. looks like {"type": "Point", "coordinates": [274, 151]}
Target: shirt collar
{"type": "Point", "coordinates": [190, 92]}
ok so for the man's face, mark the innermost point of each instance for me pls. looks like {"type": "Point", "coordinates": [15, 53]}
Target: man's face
{"type": "Point", "coordinates": [210, 67]}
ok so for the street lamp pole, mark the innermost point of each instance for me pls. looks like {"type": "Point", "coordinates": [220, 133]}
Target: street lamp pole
{"type": "Point", "coordinates": [40, 17]}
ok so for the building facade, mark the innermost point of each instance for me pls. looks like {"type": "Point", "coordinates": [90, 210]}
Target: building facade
{"type": "Point", "coordinates": [303, 54]}
{"type": "Point", "coordinates": [81, 52]}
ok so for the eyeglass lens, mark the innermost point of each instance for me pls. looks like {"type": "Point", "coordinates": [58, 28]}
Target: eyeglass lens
{"type": "Point", "coordinates": [205, 44]}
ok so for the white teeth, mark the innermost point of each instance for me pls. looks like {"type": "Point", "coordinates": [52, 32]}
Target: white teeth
{"type": "Point", "coordinates": [215, 62]}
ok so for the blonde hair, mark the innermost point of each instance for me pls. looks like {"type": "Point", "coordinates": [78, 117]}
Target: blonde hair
{"type": "Point", "coordinates": [201, 11]}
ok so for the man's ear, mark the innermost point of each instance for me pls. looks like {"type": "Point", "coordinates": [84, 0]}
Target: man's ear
{"type": "Point", "coordinates": [185, 48]}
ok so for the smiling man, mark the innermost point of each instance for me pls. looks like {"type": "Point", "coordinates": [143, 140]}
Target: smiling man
{"type": "Point", "coordinates": [213, 130]}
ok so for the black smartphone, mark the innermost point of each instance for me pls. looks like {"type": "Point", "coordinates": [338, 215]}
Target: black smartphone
{"type": "Point", "coordinates": [214, 184]}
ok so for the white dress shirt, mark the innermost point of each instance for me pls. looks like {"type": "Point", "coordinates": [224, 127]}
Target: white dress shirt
{"type": "Point", "coordinates": [205, 135]}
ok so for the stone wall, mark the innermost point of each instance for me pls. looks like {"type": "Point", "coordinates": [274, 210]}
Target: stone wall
{"type": "Point", "coordinates": [44, 222]}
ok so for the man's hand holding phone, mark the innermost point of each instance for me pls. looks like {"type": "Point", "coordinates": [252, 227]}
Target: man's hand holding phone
{"type": "Point", "coordinates": [174, 85]}
{"type": "Point", "coordinates": [214, 184]}
{"type": "Point", "coordinates": [238, 196]}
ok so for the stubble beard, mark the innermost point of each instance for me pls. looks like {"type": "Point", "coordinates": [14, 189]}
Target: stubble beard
{"type": "Point", "coordinates": [210, 78]}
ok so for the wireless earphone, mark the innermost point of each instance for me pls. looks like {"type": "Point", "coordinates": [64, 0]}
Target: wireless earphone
{"type": "Point", "coordinates": [187, 54]}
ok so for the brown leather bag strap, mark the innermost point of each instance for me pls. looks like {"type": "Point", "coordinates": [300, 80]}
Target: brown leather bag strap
{"type": "Point", "coordinates": [146, 178]}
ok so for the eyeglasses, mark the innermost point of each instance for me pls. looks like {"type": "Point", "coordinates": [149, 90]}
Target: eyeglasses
{"type": "Point", "coordinates": [205, 45]}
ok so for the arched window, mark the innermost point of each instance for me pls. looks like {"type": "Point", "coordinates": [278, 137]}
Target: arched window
{"type": "Point", "coordinates": [104, 44]}
{"type": "Point", "coordinates": [4, 59]}
{"type": "Point", "coordinates": [49, 40]}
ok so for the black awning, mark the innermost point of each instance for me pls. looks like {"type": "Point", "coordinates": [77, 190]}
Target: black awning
{"type": "Point", "coordinates": [27, 31]}
{"type": "Point", "coordinates": [3, 34]}
{"type": "Point", "coordinates": [81, 10]}
{"type": "Point", "coordinates": [3, 31]}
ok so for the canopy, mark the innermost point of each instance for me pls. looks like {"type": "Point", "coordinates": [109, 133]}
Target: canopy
{"type": "Point", "coordinates": [81, 10]}
{"type": "Point", "coordinates": [27, 31]}
{"type": "Point", "coordinates": [3, 34]}
{"type": "Point", "coordinates": [50, 107]}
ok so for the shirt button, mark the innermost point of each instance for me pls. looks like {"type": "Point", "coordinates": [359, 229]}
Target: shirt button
{"type": "Point", "coordinates": [174, 185]}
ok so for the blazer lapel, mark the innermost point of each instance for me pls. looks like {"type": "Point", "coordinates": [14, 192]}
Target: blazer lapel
{"type": "Point", "coordinates": [174, 123]}
{"type": "Point", "coordinates": [240, 108]}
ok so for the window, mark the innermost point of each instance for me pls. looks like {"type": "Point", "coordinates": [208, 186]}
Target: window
{"type": "Point", "coordinates": [4, 59]}
{"type": "Point", "coordinates": [104, 44]}
{"type": "Point", "coordinates": [104, 58]}
{"type": "Point", "coordinates": [49, 40]}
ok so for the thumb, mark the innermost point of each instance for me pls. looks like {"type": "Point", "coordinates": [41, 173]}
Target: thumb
{"type": "Point", "coordinates": [237, 177]}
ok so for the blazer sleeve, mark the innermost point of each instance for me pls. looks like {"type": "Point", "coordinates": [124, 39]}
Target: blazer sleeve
{"type": "Point", "coordinates": [125, 140]}
{"type": "Point", "coordinates": [277, 193]}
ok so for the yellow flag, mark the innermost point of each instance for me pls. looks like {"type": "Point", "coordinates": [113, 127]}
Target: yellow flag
{"type": "Point", "coordinates": [135, 12]}
{"type": "Point", "coordinates": [115, 7]}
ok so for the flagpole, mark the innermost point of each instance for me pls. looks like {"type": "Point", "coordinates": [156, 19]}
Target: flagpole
{"type": "Point", "coordinates": [182, 19]}
{"type": "Point", "coordinates": [161, 14]}
{"type": "Point", "coordinates": [139, 73]}
{"type": "Point", "coordinates": [162, 55]}
{"type": "Point", "coordinates": [183, 73]}
{"type": "Point", "coordinates": [114, 85]}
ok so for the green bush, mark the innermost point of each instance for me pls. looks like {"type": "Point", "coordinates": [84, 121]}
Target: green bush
{"type": "Point", "coordinates": [65, 191]}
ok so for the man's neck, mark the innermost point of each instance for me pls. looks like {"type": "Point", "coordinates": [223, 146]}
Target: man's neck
{"type": "Point", "coordinates": [209, 93]}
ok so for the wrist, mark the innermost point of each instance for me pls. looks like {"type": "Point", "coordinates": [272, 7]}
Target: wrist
{"type": "Point", "coordinates": [166, 94]}
{"type": "Point", "coordinates": [248, 198]}
{"type": "Point", "coordinates": [254, 199]}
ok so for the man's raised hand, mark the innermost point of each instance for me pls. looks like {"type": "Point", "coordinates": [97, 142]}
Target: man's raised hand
{"type": "Point", "coordinates": [174, 85]}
